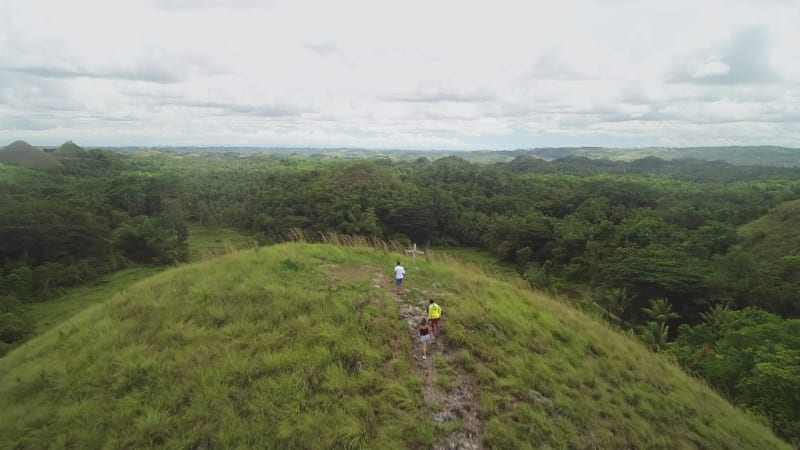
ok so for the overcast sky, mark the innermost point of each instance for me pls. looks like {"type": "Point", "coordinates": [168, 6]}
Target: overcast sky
{"type": "Point", "coordinates": [402, 74]}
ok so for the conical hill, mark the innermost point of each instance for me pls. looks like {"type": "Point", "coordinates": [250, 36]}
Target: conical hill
{"type": "Point", "coordinates": [23, 154]}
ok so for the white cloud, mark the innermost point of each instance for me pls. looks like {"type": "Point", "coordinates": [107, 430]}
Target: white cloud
{"type": "Point", "coordinates": [710, 68]}
{"type": "Point", "coordinates": [443, 74]}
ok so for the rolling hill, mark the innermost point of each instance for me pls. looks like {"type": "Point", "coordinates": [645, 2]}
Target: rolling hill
{"type": "Point", "coordinates": [305, 346]}
{"type": "Point", "coordinates": [775, 234]}
{"type": "Point", "coordinates": [70, 148]}
{"type": "Point", "coordinates": [766, 155]}
{"type": "Point", "coordinates": [23, 154]}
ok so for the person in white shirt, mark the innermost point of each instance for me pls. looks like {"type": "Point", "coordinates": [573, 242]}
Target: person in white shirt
{"type": "Point", "coordinates": [399, 274]}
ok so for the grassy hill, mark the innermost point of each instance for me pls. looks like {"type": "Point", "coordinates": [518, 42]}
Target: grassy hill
{"type": "Point", "coordinates": [23, 154]}
{"type": "Point", "coordinates": [774, 235]}
{"type": "Point", "coordinates": [305, 346]}
{"type": "Point", "coordinates": [70, 148]}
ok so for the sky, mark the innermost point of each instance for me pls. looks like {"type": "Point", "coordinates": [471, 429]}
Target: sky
{"type": "Point", "coordinates": [404, 74]}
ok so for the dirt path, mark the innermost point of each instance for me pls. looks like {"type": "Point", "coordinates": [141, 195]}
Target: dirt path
{"type": "Point", "coordinates": [449, 392]}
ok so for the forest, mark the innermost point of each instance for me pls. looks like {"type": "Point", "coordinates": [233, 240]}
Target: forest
{"type": "Point", "coordinates": [665, 250]}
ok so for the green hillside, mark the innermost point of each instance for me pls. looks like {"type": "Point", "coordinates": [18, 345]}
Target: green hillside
{"type": "Point", "coordinates": [774, 235]}
{"type": "Point", "coordinates": [23, 154]}
{"type": "Point", "coordinates": [305, 346]}
{"type": "Point", "coordinates": [70, 148]}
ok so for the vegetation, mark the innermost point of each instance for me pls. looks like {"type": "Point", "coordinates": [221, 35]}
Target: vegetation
{"type": "Point", "coordinates": [751, 356]}
{"type": "Point", "coordinates": [764, 155]}
{"type": "Point", "coordinates": [774, 236]}
{"type": "Point", "coordinates": [46, 315]}
{"type": "Point", "coordinates": [295, 346]}
{"type": "Point", "coordinates": [649, 244]}
{"type": "Point", "coordinates": [205, 243]}
{"type": "Point", "coordinates": [70, 148]}
{"type": "Point", "coordinates": [22, 153]}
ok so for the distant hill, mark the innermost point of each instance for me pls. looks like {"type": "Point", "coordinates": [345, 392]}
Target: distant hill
{"type": "Point", "coordinates": [70, 148]}
{"type": "Point", "coordinates": [306, 346]}
{"type": "Point", "coordinates": [23, 154]}
{"type": "Point", "coordinates": [774, 235]}
{"type": "Point", "coordinates": [765, 155]}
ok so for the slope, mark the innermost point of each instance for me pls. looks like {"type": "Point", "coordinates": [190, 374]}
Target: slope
{"type": "Point", "coordinates": [775, 234]}
{"type": "Point", "coordinates": [302, 346]}
{"type": "Point", "coordinates": [71, 148]}
{"type": "Point", "coordinates": [24, 154]}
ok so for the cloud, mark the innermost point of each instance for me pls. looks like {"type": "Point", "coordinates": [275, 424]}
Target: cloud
{"type": "Point", "coordinates": [183, 5]}
{"type": "Point", "coordinates": [474, 75]}
{"type": "Point", "coordinates": [276, 109]}
{"type": "Point", "coordinates": [551, 66]}
{"type": "Point", "coordinates": [153, 74]}
{"type": "Point", "coordinates": [710, 69]}
{"type": "Point", "coordinates": [26, 124]}
{"type": "Point", "coordinates": [743, 60]}
{"type": "Point", "coordinates": [433, 92]}
{"type": "Point", "coordinates": [326, 48]}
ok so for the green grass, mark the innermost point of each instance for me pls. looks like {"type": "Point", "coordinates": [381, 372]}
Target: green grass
{"type": "Point", "coordinates": [71, 148]}
{"type": "Point", "coordinates": [206, 243]}
{"type": "Point", "coordinates": [48, 314]}
{"type": "Point", "coordinates": [482, 259]}
{"type": "Point", "coordinates": [259, 349]}
{"type": "Point", "coordinates": [775, 234]}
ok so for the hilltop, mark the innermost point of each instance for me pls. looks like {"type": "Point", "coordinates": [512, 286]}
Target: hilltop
{"type": "Point", "coordinates": [70, 148]}
{"type": "Point", "coordinates": [23, 154]}
{"type": "Point", "coordinates": [304, 346]}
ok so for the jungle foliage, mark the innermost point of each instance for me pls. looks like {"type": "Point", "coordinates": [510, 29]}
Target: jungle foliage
{"type": "Point", "coordinates": [634, 237]}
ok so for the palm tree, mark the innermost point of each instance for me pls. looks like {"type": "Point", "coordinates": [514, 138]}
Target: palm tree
{"type": "Point", "coordinates": [617, 301]}
{"type": "Point", "coordinates": [660, 311]}
{"type": "Point", "coordinates": [715, 318]}
{"type": "Point", "coordinates": [654, 335]}
{"type": "Point", "coordinates": [715, 315]}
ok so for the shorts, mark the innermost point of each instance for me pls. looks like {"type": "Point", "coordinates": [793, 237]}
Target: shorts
{"type": "Point", "coordinates": [425, 338]}
{"type": "Point", "coordinates": [434, 322]}
{"type": "Point", "coordinates": [398, 281]}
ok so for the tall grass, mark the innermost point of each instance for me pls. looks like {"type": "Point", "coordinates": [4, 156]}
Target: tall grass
{"type": "Point", "coordinates": [343, 240]}
{"type": "Point", "coordinates": [293, 346]}
{"type": "Point", "coordinates": [207, 243]}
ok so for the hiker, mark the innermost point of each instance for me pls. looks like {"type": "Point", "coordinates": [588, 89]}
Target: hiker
{"type": "Point", "coordinates": [424, 337]}
{"type": "Point", "coordinates": [434, 313]}
{"type": "Point", "coordinates": [399, 273]}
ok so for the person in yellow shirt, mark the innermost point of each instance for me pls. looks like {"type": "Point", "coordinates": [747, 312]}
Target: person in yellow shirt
{"type": "Point", "coordinates": [434, 313]}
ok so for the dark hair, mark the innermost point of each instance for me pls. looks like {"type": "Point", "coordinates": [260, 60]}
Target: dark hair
{"type": "Point", "coordinates": [398, 263]}
{"type": "Point", "coordinates": [430, 301]}
{"type": "Point", "coordinates": [424, 321]}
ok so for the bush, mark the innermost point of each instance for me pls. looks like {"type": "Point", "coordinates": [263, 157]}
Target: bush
{"type": "Point", "coordinates": [15, 323]}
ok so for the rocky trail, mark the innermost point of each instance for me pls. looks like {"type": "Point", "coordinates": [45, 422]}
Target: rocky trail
{"type": "Point", "coordinates": [450, 392]}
